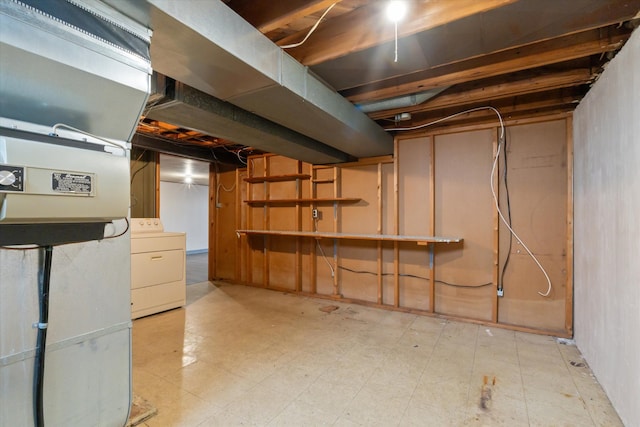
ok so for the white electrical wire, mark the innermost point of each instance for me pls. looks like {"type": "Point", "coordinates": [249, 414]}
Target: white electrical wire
{"type": "Point", "coordinates": [289, 46]}
{"type": "Point", "coordinates": [58, 125]}
{"type": "Point", "coordinates": [333, 272]}
{"type": "Point", "coordinates": [493, 171]}
{"type": "Point", "coordinates": [396, 41]}
{"type": "Point", "coordinates": [221, 185]}
{"type": "Point", "coordinates": [495, 198]}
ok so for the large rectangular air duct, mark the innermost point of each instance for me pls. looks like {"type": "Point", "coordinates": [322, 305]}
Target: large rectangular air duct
{"type": "Point", "coordinates": [207, 46]}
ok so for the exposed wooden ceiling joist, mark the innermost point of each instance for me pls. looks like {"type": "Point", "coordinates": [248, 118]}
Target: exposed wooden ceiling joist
{"type": "Point", "coordinates": [535, 55]}
{"type": "Point", "coordinates": [483, 91]}
{"type": "Point", "coordinates": [367, 26]}
{"type": "Point", "coordinates": [268, 16]}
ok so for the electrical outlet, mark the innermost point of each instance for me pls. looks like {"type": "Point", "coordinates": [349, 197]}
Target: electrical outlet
{"type": "Point", "coordinates": [500, 292]}
{"type": "Point", "coordinates": [315, 214]}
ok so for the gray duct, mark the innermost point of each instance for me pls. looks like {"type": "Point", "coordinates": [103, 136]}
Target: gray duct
{"type": "Point", "coordinates": [54, 72]}
{"type": "Point", "coordinates": [400, 102]}
{"type": "Point", "coordinates": [187, 107]}
{"type": "Point", "coordinates": [207, 46]}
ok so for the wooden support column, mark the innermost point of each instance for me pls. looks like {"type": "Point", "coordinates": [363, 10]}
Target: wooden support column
{"type": "Point", "coordinates": [312, 250]}
{"type": "Point", "coordinates": [241, 240]}
{"type": "Point", "coordinates": [496, 231]}
{"type": "Point", "coordinates": [298, 266]}
{"type": "Point", "coordinates": [568, 322]}
{"type": "Point", "coordinates": [380, 277]}
{"type": "Point", "coordinates": [432, 223]}
{"type": "Point", "coordinates": [396, 225]}
{"type": "Point", "coordinates": [157, 184]}
{"type": "Point", "coordinates": [249, 211]}
{"type": "Point", "coordinates": [213, 224]}
{"type": "Point", "coordinates": [265, 225]}
{"type": "Point", "coordinates": [336, 193]}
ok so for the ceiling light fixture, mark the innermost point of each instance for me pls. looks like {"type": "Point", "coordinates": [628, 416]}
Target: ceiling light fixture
{"type": "Point", "coordinates": [396, 10]}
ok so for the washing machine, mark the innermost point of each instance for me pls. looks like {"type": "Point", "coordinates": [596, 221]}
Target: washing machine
{"type": "Point", "coordinates": [158, 268]}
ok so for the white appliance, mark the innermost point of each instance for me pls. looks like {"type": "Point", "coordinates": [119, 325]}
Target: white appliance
{"type": "Point", "coordinates": [158, 268]}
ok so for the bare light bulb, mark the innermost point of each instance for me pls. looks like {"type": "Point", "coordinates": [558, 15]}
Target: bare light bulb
{"type": "Point", "coordinates": [188, 179]}
{"type": "Point", "coordinates": [396, 10]}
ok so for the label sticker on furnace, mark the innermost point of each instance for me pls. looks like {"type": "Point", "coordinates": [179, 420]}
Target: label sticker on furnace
{"type": "Point", "coordinates": [71, 183]}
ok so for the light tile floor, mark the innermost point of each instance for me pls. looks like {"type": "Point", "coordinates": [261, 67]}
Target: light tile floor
{"type": "Point", "coordinates": [238, 355]}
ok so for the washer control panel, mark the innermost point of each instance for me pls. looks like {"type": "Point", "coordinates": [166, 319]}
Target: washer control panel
{"type": "Point", "coordinates": [146, 225]}
{"type": "Point", "coordinates": [11, 178]}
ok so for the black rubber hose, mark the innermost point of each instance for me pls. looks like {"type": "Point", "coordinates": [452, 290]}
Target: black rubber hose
{"type": "Point", "coordinates": [44, 278]}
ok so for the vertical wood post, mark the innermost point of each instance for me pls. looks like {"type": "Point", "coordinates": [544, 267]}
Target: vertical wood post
{"type": "Point", "coordinates": [432, 223]}
{"type": "Point", "coordinates": [396, 225]}
{"type": "Point", "coordinates": [568, 322]}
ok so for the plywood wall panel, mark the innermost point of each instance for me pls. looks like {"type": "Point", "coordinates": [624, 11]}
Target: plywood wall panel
{"type": "Point", "coordinates": [225, 227]}
{"type": "Point", "coordinates": [361, 217]}
{"type": "Point", "coordinates": [282, 263]}
{"type": "Point", "coordinates": [324, 280]}
{"type": "Point", "coordinates": [462, 302]}
{"type": "Point", "coordinates": [387, 270]}
{"type": "Point", "coordinates": [414, 158]}
{"type": "Point", "coordinates": [414, 261]}
{"type": "Point", "coordinates": [537, 182]}
{"type": "Point", "coordinates": [388, 211]}
{"type": "Point", "coordinates": [362, 257]}
{"type": "Point", "coordinates": [464, 208]}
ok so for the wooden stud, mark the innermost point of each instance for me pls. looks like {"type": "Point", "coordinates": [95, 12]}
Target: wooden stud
{"type": "Point", "coordinates": [298, 265]}
{"type": "Point", "coordinates": [396, 225]}
{"type": "Point", "coordinates": [157, 184]}
{"type": "Point", "coordinates": [249, 213]}
{"type": "Point", "coordinates": [312, 251]}
{"type": "Point", "coordinates": [240, 245]}
{"type": "Point", "coordinates": [265, 225]}
{"type": "Point", "coordinates": [496, 234]}
{"type": "Point", "coordinates": [213, 224]}
{"type": "Point", "coordinates": [380, 277]}
{"type": "Point", "coordinates": [569, 259]}
{"type": "Point", "coordinates": [432, 224]}
{"type": "Point", "coordinates": [336, 194]}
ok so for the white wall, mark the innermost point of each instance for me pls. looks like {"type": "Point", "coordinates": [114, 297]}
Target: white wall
{"type": "Point", "coordinates": [186, 208]}
{"type": "Point", "coordinates": [607, 230]}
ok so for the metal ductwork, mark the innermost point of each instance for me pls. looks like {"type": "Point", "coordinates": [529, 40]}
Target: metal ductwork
{"type": "Point", "coordinates": [182, 105]}
{"type": "Point", "coordinates": [207, 46]}
{"type": "Point", "coordinates": [400, 101]}
{"type": "Point", "coordinates": [68, 62]}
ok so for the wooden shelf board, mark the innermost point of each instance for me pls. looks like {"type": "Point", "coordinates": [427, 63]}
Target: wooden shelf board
{"type": "Point", "coordinates": [294, 201]}
{"type": "Point", "coordinates": [322, 181]}
{"type": "Point", "coordinates": [277, 178]}
{"type": "Point", "coordinates": [353, 236]}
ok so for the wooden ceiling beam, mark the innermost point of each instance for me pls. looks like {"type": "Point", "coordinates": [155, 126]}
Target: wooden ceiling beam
{"type": "Point", "coordinates": [539, 54]}
{"type": "Point", "coordinates": [560, 100]}
{"type": "Point", "coordinates": [267, 16]}
{"type": "Point", "coordinates": [368, 26]}
{"type": "Point", "coordinates": [481, 91]}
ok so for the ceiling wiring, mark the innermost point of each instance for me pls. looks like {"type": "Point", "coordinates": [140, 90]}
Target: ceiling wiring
{"type": "Point", "coordinates": [289, 46]}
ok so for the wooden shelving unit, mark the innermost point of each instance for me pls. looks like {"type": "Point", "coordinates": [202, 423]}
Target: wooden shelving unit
{"type": "Point", "coordinates": [276, 178]}
{"type": "Point", "coordinates": [301, 201]}
{"type": "Point", "coordinates": [420, 240]}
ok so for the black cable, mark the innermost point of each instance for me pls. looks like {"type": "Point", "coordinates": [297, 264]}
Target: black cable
{"type": "Point", "coordinates": [506, 191]}
{"type": "Point", "coordinates": [44, 279]}
{"type": "Point", "coordinates": [416, 277]}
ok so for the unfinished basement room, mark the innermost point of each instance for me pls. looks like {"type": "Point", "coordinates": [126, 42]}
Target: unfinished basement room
{"type": "Point", "coordinates": [319, 213]}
